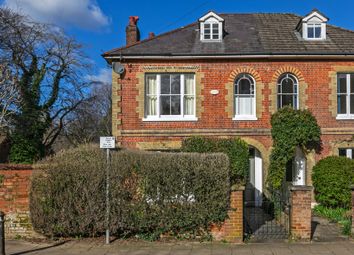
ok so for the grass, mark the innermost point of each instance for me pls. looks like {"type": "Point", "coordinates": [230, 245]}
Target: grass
{"type": "Point", "coordinates": [339, 215]}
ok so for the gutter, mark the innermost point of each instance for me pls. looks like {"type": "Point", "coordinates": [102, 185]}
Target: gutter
{"type": "Point", "coordinates": [260, 56]}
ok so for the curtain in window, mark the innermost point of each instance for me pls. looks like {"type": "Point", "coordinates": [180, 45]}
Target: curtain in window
{"type": "Point", "coordinates": [151, 95]}
{"type": "Point", "coordinates": [188, 94]}
{"type": "Point", "coordinates": [244, 95]}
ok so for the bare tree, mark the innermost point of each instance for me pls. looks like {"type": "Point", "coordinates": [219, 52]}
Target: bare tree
{"type": "Point", "coordinates": [92, 118]}
{"type": "Point", "coordinates": [8, 96]}
{"type": "Point", "coordinates": [49, 67]}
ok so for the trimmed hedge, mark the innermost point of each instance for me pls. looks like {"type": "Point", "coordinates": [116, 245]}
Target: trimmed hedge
{"type": "Point", "coordinates": [234, 148]}
{"type": "Point", "coordinates": [332, 177]}
{"type": "Point", "coordinates": [151, 193]}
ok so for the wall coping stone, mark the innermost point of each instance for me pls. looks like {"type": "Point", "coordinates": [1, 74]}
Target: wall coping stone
{"type": "Point", "coordinates": [301, 188]}
{"type": "Point", "coordinates": [237, 187]}
{"type": "Point", "coordinates": [16, 167]}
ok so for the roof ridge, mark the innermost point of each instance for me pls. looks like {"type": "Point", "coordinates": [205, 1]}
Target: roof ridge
{"type": "Point", "coordinates": [149, 39]}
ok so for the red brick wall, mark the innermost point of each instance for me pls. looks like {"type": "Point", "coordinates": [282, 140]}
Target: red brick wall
{"type": "Point", "coordinates": [216, 73]}
{"type": "Point", "coordinates": [14, 199]}
{"type": "Point", "coordinates": [300, 212]}
{"type": "Point", "coordinates": [232, 229]}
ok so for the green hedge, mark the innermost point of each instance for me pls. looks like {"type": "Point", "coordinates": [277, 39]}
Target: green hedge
{"type": "Point", "coordinates": [151, 193]}
{"type": "Point", "coordinates": [234, 148]}
{"type": "Point", "coordinates": [332, 177]}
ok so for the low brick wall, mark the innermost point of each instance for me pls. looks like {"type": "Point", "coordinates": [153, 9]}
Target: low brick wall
{"type": "Point", "coordinates": [14, 199]}
{"type": "Point", "coordinates": [232, 229]}
{"type": "Point", "coordinates": [300, 213]}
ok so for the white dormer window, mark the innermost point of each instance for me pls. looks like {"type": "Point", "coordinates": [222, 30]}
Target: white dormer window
{"type": "Point", "coordinates": [314, 26]}
{"type": "Point", "coordinates": [211, 27]}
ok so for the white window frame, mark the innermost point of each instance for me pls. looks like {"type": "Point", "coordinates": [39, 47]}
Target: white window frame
{"type": "Point", "coordinates": [211, 23]}
{"type": "Point", "coordinates": [348, 115]}
{"type": "Point", "coordinates": [182, 116]}
{"type": "Point", "coordinates": [279, 84]}
{"type": "Point", "coordinates": [314, 26]}
{"type": "Point", "coordinates": [248, 116]}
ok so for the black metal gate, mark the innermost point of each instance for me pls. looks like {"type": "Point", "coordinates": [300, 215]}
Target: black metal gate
{"type": "Point", "coordinates": [266, 218]}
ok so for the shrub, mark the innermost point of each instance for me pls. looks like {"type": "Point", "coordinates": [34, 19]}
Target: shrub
{"type": "Point", "coordinates": [234, 148]}
{"type": "Point", "coordinates": [332, 177]}
{"type": "Point", "coordinates": [290, 129]}
{"type": "Point", "coordinates": [151, 193]}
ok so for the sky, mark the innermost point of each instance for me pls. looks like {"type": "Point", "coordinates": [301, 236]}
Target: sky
{"type": "Point", "coordinates": [100, 24]}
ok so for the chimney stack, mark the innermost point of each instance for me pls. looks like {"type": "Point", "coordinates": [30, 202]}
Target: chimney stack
{"type": "Point", "coordinates": [151, 35]}
{"type": "Point", "coordinates": [132, 31]}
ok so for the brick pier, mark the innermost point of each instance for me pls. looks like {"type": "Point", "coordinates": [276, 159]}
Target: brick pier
{"type": "Point", "coordinates": [232, 229]}
{"type": "Point", "coordinates": [300, 216]}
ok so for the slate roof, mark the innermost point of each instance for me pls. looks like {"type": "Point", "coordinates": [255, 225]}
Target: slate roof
{"type": "Point", "coordinates": [245, 34]}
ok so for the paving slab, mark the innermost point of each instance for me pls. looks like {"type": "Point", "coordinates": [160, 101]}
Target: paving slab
{"type": "Point", "coordinates": [21, 247]}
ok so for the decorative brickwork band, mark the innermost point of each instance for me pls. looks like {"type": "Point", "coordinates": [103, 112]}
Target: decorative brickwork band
{"type": "Point", "coordinates": [352, 210]}
{"type": "Point", "coordinates": [232, 229]}
{"type": "Point", "coordinates": [300, 215]}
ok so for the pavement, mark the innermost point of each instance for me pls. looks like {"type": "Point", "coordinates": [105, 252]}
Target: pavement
{"type": "Point", "coordinates": [96, 246]}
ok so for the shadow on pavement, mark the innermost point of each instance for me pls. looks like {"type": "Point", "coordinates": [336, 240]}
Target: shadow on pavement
{"type": "Point", "coordinates": [39, 249]}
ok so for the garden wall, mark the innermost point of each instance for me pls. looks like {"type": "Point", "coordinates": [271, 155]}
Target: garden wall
{"type": "Point", "coordinates": [14, 199]}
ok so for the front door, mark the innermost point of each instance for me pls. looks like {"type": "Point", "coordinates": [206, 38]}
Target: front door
{"type": "Point", "coordinates": [299, 168]}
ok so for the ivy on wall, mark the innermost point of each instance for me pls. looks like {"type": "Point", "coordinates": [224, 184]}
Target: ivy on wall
{"type": "Point", "coordinates": [290, 129]}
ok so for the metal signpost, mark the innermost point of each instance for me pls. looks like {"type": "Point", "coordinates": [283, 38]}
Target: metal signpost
{"type": "Point", "coordinates": [107, 142]}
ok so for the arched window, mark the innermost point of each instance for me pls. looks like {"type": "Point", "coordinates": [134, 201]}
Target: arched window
{"type": "Point", "coordinates": [245, 103]}
{"type": "Point", "coordinates": [288, 91]}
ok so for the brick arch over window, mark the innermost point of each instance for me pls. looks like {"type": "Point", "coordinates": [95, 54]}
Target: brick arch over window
{"type": "Point", "coordinates": [229, 86]}
{"type": "Point", "coordinates": [301, 89]}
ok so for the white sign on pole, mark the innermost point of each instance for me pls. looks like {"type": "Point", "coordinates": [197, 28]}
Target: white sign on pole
{"type": "Point", "coordinates": [107, 142]}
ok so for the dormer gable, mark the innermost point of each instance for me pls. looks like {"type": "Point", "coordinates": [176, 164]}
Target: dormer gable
{"type": "Point", "coordinates": [313, 26]}
{"type": "Point", "coordinates": [211, 27]}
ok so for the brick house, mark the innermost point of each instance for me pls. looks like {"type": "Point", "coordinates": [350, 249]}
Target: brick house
{"type": "Point", "coordinates": [224, 76]}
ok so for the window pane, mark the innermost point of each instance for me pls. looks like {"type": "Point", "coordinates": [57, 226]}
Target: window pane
{"type": "Point", "coordinates": [175, 105]}
{"type": "Point", "coordinates": [189, 105]}
{"type": "Point", "coordinates": [352, 83]}
{"type": "Point", "coordinates": [342, 152]}
{"type": "Point", "coordinates": [188, 84]}
{"type": "Point", "coordinates": [287, 100]}
{"type": "Point", "coordinates": [342, 83]}
{"type": "Point", "coordinates": [244, 105]}
{"type": "Point", "coordinates": [310, 32]}
{"type": "Point", "coordinates": [318, 32]}
{"type": "Point", "coordinates": [244, 86]}
{"type": "Point", "coordinates": [287, 85]}
{"type": "Point", "coordinates": [165, 84]}
{"type": "Point", "coordinates": [206, 26]}
{"type": "Point", "coordinates": [175, 84]}
{"type": "Point", "coordinates": [279, 101]}
{"type": "Point", "coordinates": [215, 31]}
{"type": "Point", "coordinates": [151, 85]}
{"type": "Point", "coordinates": [165, 105]}
{"type": "Point", "coordinates": [352, 104]}
{"type": "Point", "coordinates": [342, 104]}
{"type": "Point", "coordinates": [150, 107]}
